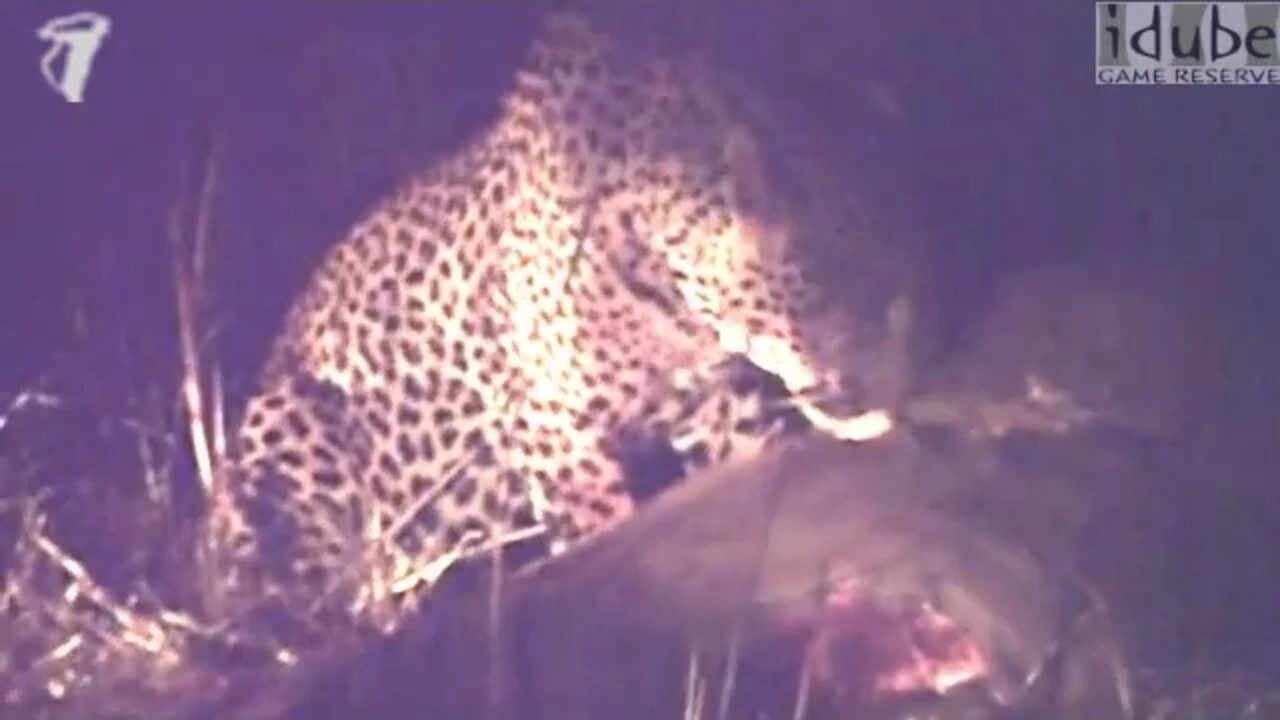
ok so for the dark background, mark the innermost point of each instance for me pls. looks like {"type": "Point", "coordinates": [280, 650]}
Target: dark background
{"type": "Point", "coordinates": [974, 128]}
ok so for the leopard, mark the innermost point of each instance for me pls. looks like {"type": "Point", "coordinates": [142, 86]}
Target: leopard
{"type": "Point", "coordinates": [455, 372]}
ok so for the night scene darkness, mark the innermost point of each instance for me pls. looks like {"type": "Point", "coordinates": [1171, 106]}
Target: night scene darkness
{"type": "Point", "coordinates": [893, 360]}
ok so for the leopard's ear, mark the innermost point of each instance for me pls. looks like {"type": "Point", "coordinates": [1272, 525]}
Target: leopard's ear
{"type": "Point", "coordinates": [753, 190]}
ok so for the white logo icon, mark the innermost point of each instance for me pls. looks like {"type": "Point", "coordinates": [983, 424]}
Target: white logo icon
{"type": "Point", "coordinates": [76, 39]}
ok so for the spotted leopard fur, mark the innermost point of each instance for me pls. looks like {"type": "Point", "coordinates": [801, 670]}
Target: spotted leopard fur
{"type": "Point", "coordinates": [454, 372]}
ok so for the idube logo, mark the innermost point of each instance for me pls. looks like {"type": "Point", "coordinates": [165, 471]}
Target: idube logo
{"type": "Point", "coordinates": [74, 38]}
{"type": "Point", "coordinates": [1183, 43]}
